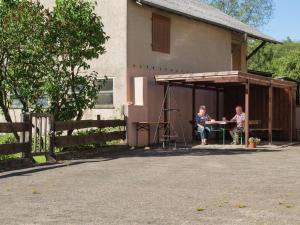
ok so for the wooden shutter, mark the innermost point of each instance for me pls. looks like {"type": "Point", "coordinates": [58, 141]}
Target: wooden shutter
{"type": "Point", "coordinates": [161, 32]}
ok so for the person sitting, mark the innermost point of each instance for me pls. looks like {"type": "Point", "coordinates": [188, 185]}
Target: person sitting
{"type": "Point", "coordinates": [201, 118]}
{"type": "Point", "coordinates": [238, 130]}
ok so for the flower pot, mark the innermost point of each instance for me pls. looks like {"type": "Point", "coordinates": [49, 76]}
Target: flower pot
{"type": "Point", "coordinates": [252, 145]}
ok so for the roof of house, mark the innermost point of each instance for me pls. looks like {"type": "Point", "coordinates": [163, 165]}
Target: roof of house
{"type": "Point", "coordinates": [196, 9]}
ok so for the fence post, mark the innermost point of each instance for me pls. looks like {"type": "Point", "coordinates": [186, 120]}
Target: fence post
{"type": "Point", "coordinates": [26, 118]}
{"type": "Point", "coordinates": [51, 155]}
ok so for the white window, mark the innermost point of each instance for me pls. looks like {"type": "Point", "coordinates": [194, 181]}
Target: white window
{"type": "Point", "coordinates": [16, 104]}
{"type": "Point", "coordinates": [139, 91]}
{"type": "Point", "coordinates": [105, 98]}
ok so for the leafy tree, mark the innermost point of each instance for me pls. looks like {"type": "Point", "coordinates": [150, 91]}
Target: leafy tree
{"type": "Point", "coordinates": [22, 26]}
{"type": "Point", "coordinates": [48, 54]}
{"type": "Point", "coordinates": [75, 37]}
{"type": "Point", "coordinates": [282, 60]}
{"type": "Point", "coordinates": [253, 12]}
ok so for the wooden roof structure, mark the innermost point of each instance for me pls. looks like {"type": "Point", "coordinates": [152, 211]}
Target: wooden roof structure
{"type": "Point", "coordinates": [221, 79]}
{"type": "Point", "coordinates": [277, 95]}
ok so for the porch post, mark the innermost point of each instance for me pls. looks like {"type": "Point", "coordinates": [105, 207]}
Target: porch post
{"type": "Point", "coordinates": [291, 101]}
{"type": "Point", "coordinates": [270, 121]}
{"type": "Point", "coordinates": [193, 108]}
{"type": "Point", "coordinates": [247, 93]}
{"type": "Point", "coordinates": [165, 104]}
{"type": "Point", "coordinates": [218, 105]}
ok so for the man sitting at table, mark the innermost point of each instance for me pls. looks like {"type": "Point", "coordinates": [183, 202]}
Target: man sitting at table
{"type": "Point", "coordinates": [201, 118]}
{"type": "Point", "coordinates": [239, 118]}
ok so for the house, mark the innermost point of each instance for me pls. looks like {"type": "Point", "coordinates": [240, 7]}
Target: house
{"type": "Point", "coordinates": [165, 37]}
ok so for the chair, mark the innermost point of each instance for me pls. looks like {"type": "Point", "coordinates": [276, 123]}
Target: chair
{"type": "Point", "coordinates": [252, 123]}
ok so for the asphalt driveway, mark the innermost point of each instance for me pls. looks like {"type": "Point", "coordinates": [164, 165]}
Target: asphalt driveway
{"type": "Point", "coordinates": [158, 187]}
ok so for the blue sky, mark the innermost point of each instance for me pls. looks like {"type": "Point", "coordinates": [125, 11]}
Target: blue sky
{"type": "Point", "coordinates": [285, 21]}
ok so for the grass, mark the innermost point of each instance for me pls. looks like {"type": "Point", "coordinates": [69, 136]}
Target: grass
{"type": "Point", "coordinates": [40, 159]}
{"type": "Point", "coordinates": [240, 206]}
{"type": "Point", "coordinates": [35, 192]}
{"type": "Point", "coordinates": [287, 205]}
{"type": "Point", "coordinates": [200, 209]}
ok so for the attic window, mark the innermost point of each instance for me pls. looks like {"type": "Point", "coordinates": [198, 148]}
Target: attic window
{"type": "Point", "coordinates": [161, 32]}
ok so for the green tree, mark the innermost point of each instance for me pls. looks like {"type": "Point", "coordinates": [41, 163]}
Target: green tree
{"type": "Point", "coordinates": [256, 13]}
{"type": "Point", "coordinates": [75, 37]}
{"type": "Point", "coordinates": [22, 26]}
{"type": "Point", "coordinates": [282, 60]}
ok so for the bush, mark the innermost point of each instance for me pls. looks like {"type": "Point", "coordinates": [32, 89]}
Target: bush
{"type": "Point", "coordinates": [8, 139]}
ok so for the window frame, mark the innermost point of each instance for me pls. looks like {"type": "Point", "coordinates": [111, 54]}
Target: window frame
{"type": "Point", "coordinates": [107, 106]}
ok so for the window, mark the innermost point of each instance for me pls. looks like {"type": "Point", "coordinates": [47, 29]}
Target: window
{"type": "Point", "coordinates": [16, 104]}
{"type": "Point", "coordinates": [161, 32]}
{"type": "Point", "coordinates": [139, 91]}
{"type": "Point", "coordinates": [43, 102]}
{"type": "Point", "coordinates": [106, 95]}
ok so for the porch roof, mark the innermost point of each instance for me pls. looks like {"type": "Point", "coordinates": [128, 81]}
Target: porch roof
{"type": "Point", "coordinates": [220, 79]}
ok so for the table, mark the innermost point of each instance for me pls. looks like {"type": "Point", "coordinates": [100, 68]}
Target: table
{"type": "Point", "coordinates": [223, 125]}
{"type": "Point", "coordinates": [146, 126]}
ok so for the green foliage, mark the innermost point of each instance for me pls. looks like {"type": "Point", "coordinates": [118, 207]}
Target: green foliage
{"type": "Point", "coordinates": [75, 37]}
{"type": "Point", "coordinates": [48, 54]}
{"type": "Point", "coordinates": [22, 27]}
{"type": "Point", "coordinates": [253, 12]}
{"type": "Point", "coordinates": [282, 60]}
{"type": "Point", "coordinates": [7, 139]}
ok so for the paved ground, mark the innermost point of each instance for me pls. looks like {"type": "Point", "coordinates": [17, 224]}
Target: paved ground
{"type": "Point", "coordinates": [164, 188]}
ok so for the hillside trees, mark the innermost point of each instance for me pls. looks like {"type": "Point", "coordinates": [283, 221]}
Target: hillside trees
{"type": "Point", "coordinates": [256, 13]}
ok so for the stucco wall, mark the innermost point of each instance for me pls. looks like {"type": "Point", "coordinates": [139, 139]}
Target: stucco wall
{"type": "Point", "coordinates": [113, 62]}
{"type": "Point", "coordinates": [195, 47]}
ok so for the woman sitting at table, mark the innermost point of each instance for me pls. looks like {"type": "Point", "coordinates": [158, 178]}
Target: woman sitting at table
{"type": "Point", "coordinates": [201, 118]}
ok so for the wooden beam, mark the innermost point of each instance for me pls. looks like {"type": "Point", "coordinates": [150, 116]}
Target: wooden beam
{"type": "Point", "coordinates": [247, 93]}
{"type": "Point", "coordinates": [14, 127]}
{"type": "Point", "coordinates": [270, 110]}
{"type": "Point", "coordinates": [7, 149]}
{"type": "Point", "coordinates": [218, 105]}
{"type": "Point", "coordinates": [291, 103]}
{"type": "Point", "coordinates": [165, 103]}
{"type": "Point", "coordinates": [256, 50]}
{"type": "Point", "coordinates": [72, 125]}
{"type": "Point", "coordinates": [65, 141]}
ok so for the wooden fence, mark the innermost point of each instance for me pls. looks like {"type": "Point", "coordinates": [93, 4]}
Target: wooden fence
{"type": "Point", "coordinates": [74, 140]}
{"type": "Point", "coordinates": [22, 128]}
{"type": "Point", "coordinates": [37, 133]}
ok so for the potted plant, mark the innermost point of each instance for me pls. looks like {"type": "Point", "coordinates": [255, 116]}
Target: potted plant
{"type": "Point", "coordinates": [253, 142]}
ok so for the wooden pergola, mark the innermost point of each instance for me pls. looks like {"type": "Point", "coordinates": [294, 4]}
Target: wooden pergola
{"type": "Point", "coordinates": [275, 96]}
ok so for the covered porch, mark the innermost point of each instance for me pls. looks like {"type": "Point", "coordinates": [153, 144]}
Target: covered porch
{"type": "Point", "coordinates": [268, 101]}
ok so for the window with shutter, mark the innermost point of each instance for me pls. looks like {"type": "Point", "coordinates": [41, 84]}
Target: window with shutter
{"type": "Point", "coordinates": [161, 33]}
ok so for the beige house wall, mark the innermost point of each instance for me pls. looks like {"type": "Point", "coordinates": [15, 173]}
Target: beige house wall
{"type": "Point", "coordinates": [195, 47]}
